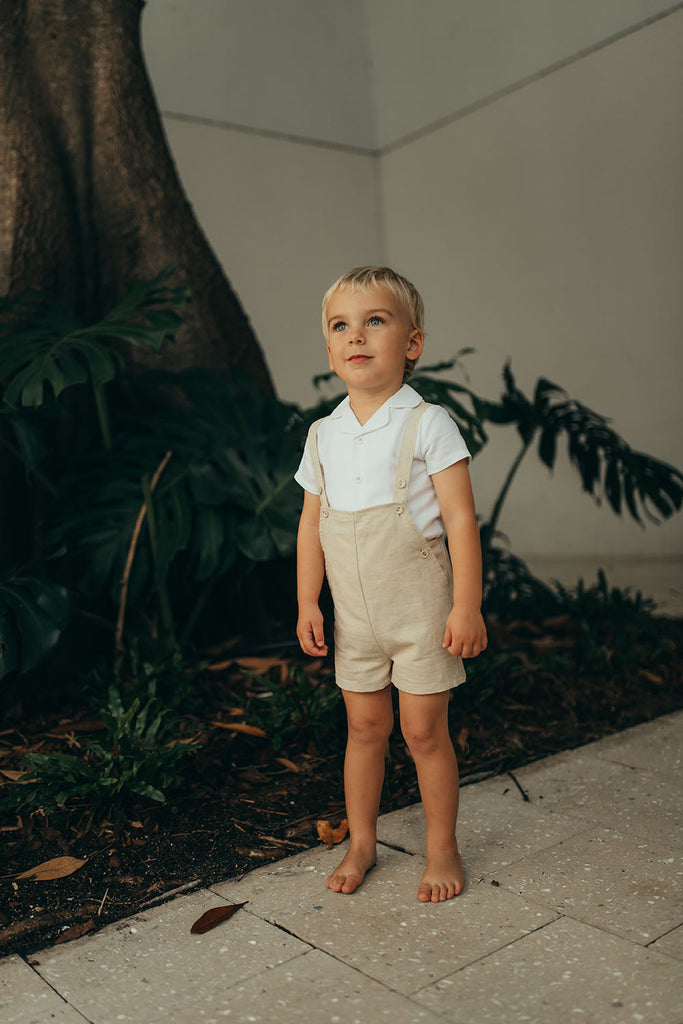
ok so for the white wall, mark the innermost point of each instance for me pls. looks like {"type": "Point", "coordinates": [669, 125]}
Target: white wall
{"type": "Point", "coordinates": [434, 58]}
{"type": "Point", "coordinates": [297, 68]}
{"type": "Point", "coordinates": [547, 228]}
{"type": "Point", "coordinates": [283, 217]}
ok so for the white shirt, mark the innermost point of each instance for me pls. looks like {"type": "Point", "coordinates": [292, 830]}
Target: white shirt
{"type": "Point", "coordinates": [359, 462]}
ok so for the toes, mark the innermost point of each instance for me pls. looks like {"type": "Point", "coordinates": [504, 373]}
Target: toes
{"type": "Point", "coordinates": [424, 893]}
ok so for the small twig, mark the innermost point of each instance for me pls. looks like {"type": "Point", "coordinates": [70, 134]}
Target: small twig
{"type": "Point", "coordinates": [118, 646]}
{"type": "Point", "coordinates": [102, 903]}
{"type": "Point", "coordinates": [525, 795]}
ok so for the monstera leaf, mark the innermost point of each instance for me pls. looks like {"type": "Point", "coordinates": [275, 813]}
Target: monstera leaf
{"type": "Point", "coordinates": [42, 344]}
{"type": "Point", "coordinates": [33, 614]}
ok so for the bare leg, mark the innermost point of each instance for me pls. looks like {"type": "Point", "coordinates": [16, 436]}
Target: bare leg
{"type": "Point", "coordinates": [370, 718]}
{"type": "Point", "coordinates": [424, 721]}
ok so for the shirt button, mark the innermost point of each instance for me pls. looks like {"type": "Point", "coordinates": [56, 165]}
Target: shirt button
{"type": "Point", "coordinates": [358, 479]}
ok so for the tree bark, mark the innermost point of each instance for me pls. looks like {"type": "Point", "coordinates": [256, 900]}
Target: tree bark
{"type": "Point", "coordinates": [90, 200]}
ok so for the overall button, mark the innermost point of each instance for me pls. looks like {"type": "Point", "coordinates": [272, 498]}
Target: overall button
{"type": "Point", "coordinates": [399, 510]}
{"type": "Point", "coordinates": [324, 513]}
{"type": "Point", "coordinates": [401, 483]}
{"type": "Point", "coordinates": [424, 553]}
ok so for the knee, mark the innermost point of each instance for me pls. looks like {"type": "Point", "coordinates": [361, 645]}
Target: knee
{"type": "Point", "coordinates": [370, 729]}
{"type": "Point", "coordinates": [422, 739]}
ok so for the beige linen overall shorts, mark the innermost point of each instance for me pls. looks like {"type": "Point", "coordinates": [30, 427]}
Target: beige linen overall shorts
{"type": "Point", "coordinates": [392, 589]}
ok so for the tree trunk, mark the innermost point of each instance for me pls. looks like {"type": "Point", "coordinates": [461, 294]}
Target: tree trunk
{"type": "Point", "coordinates": [90, 200]}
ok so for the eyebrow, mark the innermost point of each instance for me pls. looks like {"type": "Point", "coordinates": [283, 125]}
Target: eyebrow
{"type": "Point", "coordinates": [369, 312]}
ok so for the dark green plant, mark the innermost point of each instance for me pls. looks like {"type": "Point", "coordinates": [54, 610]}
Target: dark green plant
{"type": "Point", "coordinates": [45, 348]}
{"type": "Point", "coordinates": [303, 708]}
{"type": "Point", "coordinates": [608, 466]}
{"type": "Point", "coordinates": [225, 500]}
{"type": "Point", "coordinates": [138, 757]}
{"type": "Point", "coordinates": [33, 614]}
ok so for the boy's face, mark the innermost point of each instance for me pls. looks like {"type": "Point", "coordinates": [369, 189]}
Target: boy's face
{"type": "Point", "coordinates": [369, 338]}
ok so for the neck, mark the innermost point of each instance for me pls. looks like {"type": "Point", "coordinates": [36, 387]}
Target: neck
{"type": "Point", "coordinates": [364, 404]}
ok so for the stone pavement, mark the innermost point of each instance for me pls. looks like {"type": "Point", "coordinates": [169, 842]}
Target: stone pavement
{"type": "Point", "coordinates": [572, 912]}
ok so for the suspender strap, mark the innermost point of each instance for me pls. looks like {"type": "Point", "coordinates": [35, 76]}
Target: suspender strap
{"type": "Point", "coordinates": [405, 458]}
{"type": "Point", "coordinates": [317, 468]}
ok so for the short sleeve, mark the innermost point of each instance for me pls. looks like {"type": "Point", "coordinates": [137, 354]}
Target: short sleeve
{"type": "Point", "coordinates": [440, 442]}
{"type": "Point", "coordinates": [305, 474]}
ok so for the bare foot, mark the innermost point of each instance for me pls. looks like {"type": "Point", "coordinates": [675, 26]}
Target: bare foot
{"type": "Point", "coordinates": [352, 870]}
{"type": "Point", "coordinates": [444, 878]}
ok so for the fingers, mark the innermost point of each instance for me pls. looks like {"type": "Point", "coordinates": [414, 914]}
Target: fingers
{"type": "Point", "coordinates": [464, 647]}
{"type": "Point", "coordinates": [312, 639]}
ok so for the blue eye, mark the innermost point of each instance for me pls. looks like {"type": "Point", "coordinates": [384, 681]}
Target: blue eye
{"type": "Point", "coordinates": [375, 320]}
{"type": "Point", "coordinates": [338, 326]}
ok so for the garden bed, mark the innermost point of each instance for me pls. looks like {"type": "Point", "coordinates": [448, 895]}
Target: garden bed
{"type": "Point", "coordinates": [270, 735]}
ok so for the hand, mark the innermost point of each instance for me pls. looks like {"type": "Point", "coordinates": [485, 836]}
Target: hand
{"type": "Point", "coordinates": [309, 630]}
{"type": "Point", "coordinates": [465, 633]}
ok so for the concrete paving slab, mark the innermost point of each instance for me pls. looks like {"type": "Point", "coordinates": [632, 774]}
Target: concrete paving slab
{"type": "Point", "coordinates": [149, 965]}
{"type": "Point", "coordinates": [622, 884]}
{"type": "Point", "coordinates": [592, 789]}
{"type": "Point", "coordinates": [672, 945]}
{"type": "Point", "coordinates": [382, 929]}
{"type": "Point", "coordinates": [656, 746]}
{"type": "Point", "coordinates": [27, 999]}
{"type": "Point", "coordinates": [566, 971]}
{"type": "Point", "coordinates": [314, 988]}
{"type": "Point", "coordinates": [495, 827]}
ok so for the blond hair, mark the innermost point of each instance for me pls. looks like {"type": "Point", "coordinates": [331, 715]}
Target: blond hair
{"type": "Point", "coordinates": [403, 290]}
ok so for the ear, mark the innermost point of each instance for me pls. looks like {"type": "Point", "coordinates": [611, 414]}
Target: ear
{"type": "Point", "coordinates": [329, 357]}
{"type": "Point", "coordinates": [416, 344]}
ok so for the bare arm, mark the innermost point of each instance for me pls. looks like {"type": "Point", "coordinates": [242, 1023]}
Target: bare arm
{"type": "Point", "coordinates": [465, 632]}
{"type": "Point", "coordinates": [310, 572]}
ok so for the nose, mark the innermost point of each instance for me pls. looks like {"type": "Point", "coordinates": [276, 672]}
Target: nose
{"type": "Point", "coordinates": [357, 336]}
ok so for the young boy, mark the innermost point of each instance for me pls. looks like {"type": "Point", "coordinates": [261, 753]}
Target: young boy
{"type": "Point", "coordinates": [383, 476]}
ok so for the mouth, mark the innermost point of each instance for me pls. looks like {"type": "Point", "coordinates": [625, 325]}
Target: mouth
{"type": "Point", "coordinates": [358, 359]}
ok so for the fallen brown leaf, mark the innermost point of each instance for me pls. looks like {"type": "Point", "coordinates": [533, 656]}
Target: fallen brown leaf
{"type": "Point", "coordinates": [75, 931]}
{"type": "Point", "coordinates": [214, 916]}
{"type": "Point", "coordinates": [58, 867]}
{"type": "Point", "coordinates": [330, 835]}
{"type": "Point", "coordinates": [14, 776]}
{"type": "Point", "coordinates": [286, 763]}
{"type": "Point", "coordinates": [250, 730]}
{"type": "Point", "coordinates": [260, 665]}
{"type": "Point", "coordinates": [79, 725]}
{"type": "Point", "coordinates": [651, 676]}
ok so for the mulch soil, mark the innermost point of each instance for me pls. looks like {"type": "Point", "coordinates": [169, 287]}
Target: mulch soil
{"type": "Point", "coordinates": [243, 802]}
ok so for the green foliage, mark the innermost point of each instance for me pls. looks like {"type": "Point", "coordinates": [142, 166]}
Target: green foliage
{"type": "Point", "coordinates": [190, 486]}
{"type": "Point", "coordinates": [304, 708]}
{"type": "Point", "coordinates": [42, 344]}
{"type": "Point", "coordinates": [33, 614]}
{"type": "Point", "coordinates": [138, 757]}
{"type": "Point", "coordinates": [607, 465]}
{"type": "Point", "coordinates": [227, 497]}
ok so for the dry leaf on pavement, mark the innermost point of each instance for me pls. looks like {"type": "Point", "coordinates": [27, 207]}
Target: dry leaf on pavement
{"type": "Point", "coordinates": [210, 918]}
{"type": "Point", "coordinates": [76, 931]}
{"type": "Point", "coordinates": [331, 835]}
